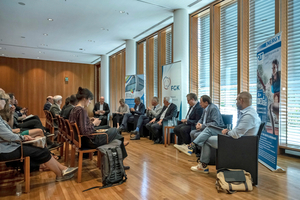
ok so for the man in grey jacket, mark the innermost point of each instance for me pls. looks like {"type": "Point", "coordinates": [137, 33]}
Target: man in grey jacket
{"type": "Point", "coordinates": [211, 117]}
{"type": "Point", "coordinates": [144, 119]}
{"type": "Point", "coordinates": [55, 109]}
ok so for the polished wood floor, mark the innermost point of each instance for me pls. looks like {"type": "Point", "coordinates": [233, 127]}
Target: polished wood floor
{"type": "Point", "coordinates": [158, 172]}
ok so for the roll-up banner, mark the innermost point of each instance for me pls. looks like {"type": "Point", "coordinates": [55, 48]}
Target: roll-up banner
{"type": "Point", "coordinates": [268, 98]}
{"type": "Point", "coordinates": [134, 87]}
{"type": "Point", "coordinates": [171, 84]}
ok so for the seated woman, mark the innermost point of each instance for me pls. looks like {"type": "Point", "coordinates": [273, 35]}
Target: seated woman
{"type": "Point", "coordinates": [118, 116]}
{"type": "Point", "coordinates": [12, 150]}
{"type": "Point", "coordinates": [87, 127]}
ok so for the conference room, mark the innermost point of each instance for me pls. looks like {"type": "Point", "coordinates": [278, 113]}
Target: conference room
{"type": "Point", "coordinates": [188, 94]}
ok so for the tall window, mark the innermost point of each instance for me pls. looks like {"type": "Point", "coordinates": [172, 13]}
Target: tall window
{"type": "Point", "coordinates": [261, 27]}
{"type": "Point", "coordinates": [293, 94]}
{"type": "Point", "coordinates": [203, 53]}
{"type": "Point", "coordinates": [169, 45]}
{"type": "Point", "coordinates": [228, 58]}
{"type": "Point", "coordinates": [155, 68]}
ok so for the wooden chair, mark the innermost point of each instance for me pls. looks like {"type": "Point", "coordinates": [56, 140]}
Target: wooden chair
{"type": "Point", "coordinates": [49, 121]}
{"type": "Point", "coordinates": [67, 138]}
{"type": "Point", "coordinates": [62, 134]}
{"type": "Point", "coordinates": [77, 137]}
{"type": "Point", "coordinates": [26, 166]}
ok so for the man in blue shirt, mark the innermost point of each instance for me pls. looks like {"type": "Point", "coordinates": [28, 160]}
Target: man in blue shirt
{"type": "Point", "coordinates": [247, 125]}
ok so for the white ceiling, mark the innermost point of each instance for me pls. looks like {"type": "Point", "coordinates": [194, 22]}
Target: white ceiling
{"type": "Point", "coordinates": [79, 24]}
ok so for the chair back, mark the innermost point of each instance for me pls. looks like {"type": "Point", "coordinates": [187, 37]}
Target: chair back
{"type": "Point", "coordinates": [68, 129]}
{"type": "Point", "coordinates": [177, 115]}
{"type": "Point", "coordinates": [49, 121]}
{"type": "Point", "coordinates": [76, 135]}
{"type": "Point", "coordinates": [227, 119]}
{"type": "Point", "coordinates": [261, 127]}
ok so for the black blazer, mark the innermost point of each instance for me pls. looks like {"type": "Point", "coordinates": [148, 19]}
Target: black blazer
{"type": "Point", "coordinates": [105, 108]}
{"type": "Point", "coordinates": [195, 115]}
{"type": "Point", "coordinates": [141, 109]}
{"type": "Point", "coordinates": [65, 113]}
{"type": "Point", "coordinates": [171, 112]}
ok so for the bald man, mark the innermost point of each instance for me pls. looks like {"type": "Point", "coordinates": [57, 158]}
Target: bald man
{"type": "Point", "coordinates": [101, 111]}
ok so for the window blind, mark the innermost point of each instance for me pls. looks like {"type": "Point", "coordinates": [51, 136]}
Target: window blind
{"type": "Point", "coordinates": [261, 27]}
{"type": "Point", "coordinates": [168, 45]}
{"type": "Point", "coordinates": [155, 63]}
{"type": "Point", "coordinates": [203, 53]}
{"type": "Point", "coordinates": [228, 58]}
{"type": "Point", "coordinates": [293, 94]}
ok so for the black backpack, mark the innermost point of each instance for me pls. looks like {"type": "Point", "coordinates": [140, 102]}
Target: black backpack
{"type": "Point", "coordinates": [112, 168]}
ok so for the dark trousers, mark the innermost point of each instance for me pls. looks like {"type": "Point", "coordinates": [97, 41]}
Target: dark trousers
{"type": "Point", "coordinates": [183, 132]}
{"type": "Point", "coordinates": [142, 121]}
{"type": "Point", "coordinates": [103, 119]}
{"type": "Point", "coordinates": [128, 118]}
{"type": "Point", "coordinates": [31, 123]}
{"type": "Point", "coordinates": [155, 129]}
{"type": "Point", "coordinates": [117, 118]}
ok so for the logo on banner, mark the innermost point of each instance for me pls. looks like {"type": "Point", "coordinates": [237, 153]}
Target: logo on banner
{"type": "Point", "coordinates": [167, 82]}
{"type": "Point", "coordinates": [260, 56]}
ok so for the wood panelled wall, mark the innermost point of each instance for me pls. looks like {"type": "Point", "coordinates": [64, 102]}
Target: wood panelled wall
{"type": "Point", "coordinates": [33, 80]}
{"type": "Point", "coordinates": [117, 70]}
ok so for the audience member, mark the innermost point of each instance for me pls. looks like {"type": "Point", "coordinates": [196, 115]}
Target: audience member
{"type": "Point", "coordinates": [118, 116]}
{"type": "Point", "coordinates": [49, 102]}
{"type": "Point", "coordinates": [12, 150]}
{"type": "Point", "coordinates": [139, 109]}
{"type": "Point", "coordinates": [65, 113]}
{"type": "Point", "coordinates": [248, 124]}
{"type": "Point", "coordinates": [167, 113]}
{"type": "Point", "coordinates": [79, 116]}
{"type": "Point", "coordinates": [144, 119]}
{"type": "Point", "coordinates": [101, 111]}
{"type": "Point", "coordinates": [55, 108]}
{"type": "Point", "coordinates": [67, 102]}
{"type": "Point", "coordinates": [183, 129]}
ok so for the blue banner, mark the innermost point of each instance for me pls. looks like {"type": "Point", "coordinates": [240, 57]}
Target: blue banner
{"type": "Point", "coordinates": [134, 87]}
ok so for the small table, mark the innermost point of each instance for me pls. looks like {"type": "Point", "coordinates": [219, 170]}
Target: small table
{"type": "Point", "coordinates": [167, 135]}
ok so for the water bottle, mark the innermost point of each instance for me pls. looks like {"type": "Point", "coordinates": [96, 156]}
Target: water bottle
{"type": "Point", "coordinates": [19, 189]}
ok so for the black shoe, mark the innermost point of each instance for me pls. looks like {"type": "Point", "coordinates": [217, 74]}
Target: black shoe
{"type": "Point", "coordinates": [134, 132]}
{"type": "Point", "coordinates": [126, 167]}
{"type": "Point", "coordinates": [136, 137]}
{"type": "Point", "coordinates": [53, 146]}
{"type": "Point", "coordinates": [157, 141]}
{"type": "Point", "coordinates": [121, 129]}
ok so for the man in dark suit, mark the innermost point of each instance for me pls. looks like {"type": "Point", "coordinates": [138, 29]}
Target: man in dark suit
{"type": "Point", "coordinates": [155, 125]}
{"type": "Point", "coordinates": [186, 125]}
{"type": "Point", "coordinates": [65, 113]}
{"type": "Point", "coordinates": [101, 111]}
{"type": "Point", "coordinates": [139, 109]}
{"type": "Point", "coordinates": [48, 103]}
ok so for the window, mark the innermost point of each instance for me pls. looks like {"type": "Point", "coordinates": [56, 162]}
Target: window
{"type": "Point", "coordinates": [293, 95]}
{"type": "Point", "coordinates": [261, 27]}
{"type": "Point", "coordinates": [228, 58]}
{"type": "Point", "coordinates": [155, 68]}
{"type": "Point", "coordinates": [203, 53]}
{"type": "Point", "coordinates": [169, 45]}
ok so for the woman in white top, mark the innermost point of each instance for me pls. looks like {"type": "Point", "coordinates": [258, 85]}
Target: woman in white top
{"type": "Point", "coordinates": [118, 116]}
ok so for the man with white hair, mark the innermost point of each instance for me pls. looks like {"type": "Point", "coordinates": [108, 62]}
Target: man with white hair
{"type": "Point", "coordinates": [167, 113]}
{"type": "Point", "coordinates": [55, 108]}
{"type": "Point", "coordinates": [49, 102]}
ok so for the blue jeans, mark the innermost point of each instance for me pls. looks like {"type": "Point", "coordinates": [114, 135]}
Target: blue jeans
{"type": "Point", "coordinates": [205, 151]}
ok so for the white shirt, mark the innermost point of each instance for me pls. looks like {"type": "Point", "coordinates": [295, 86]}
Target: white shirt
{"type": "Point", "coordinates": [164, 113]}
{"type": "Point", "coordinates": [101, 108]}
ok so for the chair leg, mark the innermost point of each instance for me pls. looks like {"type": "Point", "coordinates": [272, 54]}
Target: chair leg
{"type": "Point", "coordinates": [165, 136]}
{"type": "Point", "coordinates": [169, 135]}
{"type": "Point", "coordinates": [61, 149]}
{"type": "Point", "coordinates": [66, 151]}
{"type": "Point", "coordinates": [72, 164]}
{"type": "Point", "coordinates": [27, 174]}
{"type": "Point", "coordinates": [79, 167]}
{"type": "Point", "coordinates": [98, 159]}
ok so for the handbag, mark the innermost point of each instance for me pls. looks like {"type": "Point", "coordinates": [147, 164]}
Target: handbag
{"type": "Point", "coordinates": [233, 180]}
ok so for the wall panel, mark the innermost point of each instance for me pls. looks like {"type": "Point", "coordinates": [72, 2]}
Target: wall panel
{"type": "Point", "coordinates": [33, 80]}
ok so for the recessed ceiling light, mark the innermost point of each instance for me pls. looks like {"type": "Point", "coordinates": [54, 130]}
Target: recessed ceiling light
{"type": "Point", "coordinates": [49, 19]}
{"type": "Point", "coordinates": [38, 57]}
{"type": "Point", "coordinates": [122, 12]}
{"type": "Point", "coordinates": [22, 37]}
{"type": "Point", "coordinates": [45, 34]}
{"type": "Point", "coordinates": [40, 52]}
{"type": "Point", "coordinates": [45, 45]}
{"type": "Point", "coordinates": [21, 3]}
{"type": "Point", "coordinates": [2, 54]}
{"type": "Point", "coordinates": [23, 53]}
{"type": "Point", "coordinates": [0, 47]}
{"type": "Point", "coordinates": [102, 28]}
{"type": "Point", "coordinates": [81, 49]}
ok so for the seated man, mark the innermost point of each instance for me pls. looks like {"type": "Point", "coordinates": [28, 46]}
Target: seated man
{"type": "Point", "coordinates": [139, 109]}
{"type": "Point", "coordinates": [65, 113]}
{"type": "Point", "coordinates": [101, 111]}
{"type": "Point", "coordinates": [144, 119]}
{"type": "Point", "coordinates": [67, 102]}
{"type": "Point", "coordinates": [167, 113]}
{"type": "Point", "coordinates": [49, 102]}
{"type": "Point", "coordinates": [55, 108]}
{"type": "Point", "coordinates": [186, 125]}
{"type": "Point", "coordinates": [248, 124]}
{"type": "Point", "coordinates": [211, 116]}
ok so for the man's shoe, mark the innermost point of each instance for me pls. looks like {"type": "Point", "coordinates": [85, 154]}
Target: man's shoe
{"type": "Point", "coordinates": [126, 167]}
{"type": "Point", "coordinates": [200, 168]}
{"type": "Point", "coordinates": [121, 129]}
{"type": "Point", "coordinates": [64, 178]}
{"type": "Point", "coordinates": [69, 170]}
{"type": "Point", "coordinates": [184, 149]}
{"type": "Point", "coordinates": [134, 132]}
{"type": "Point", "coordinates": [157, 141]}
{"type": "Point", "coordinates": [136, 137]}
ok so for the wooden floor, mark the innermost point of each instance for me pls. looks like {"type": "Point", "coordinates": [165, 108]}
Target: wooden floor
{"type": "Point", "coordinates": [158, 172]}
